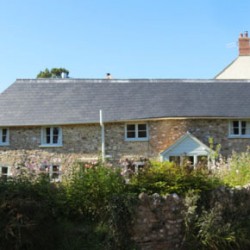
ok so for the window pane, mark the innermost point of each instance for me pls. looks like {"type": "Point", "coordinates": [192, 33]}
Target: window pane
{"type": "Point", "coordinates": [55, 175]}
{"type": "Point", "coordinates": [131, 131]}
{"type": "Point", "coordinates": [130, 134]}
{"type": "Point", "coordinates": [55, 168]}
{"type": "Point", "coordinates": [131, 127]}
{"type": "Point", "coordinates": [4, 135]}
{"type": "Point", "coordinates": [48, 135]}
{"type": "Point", "coordinates": [175, 159]}
{"type": "Point", "coordinates": [248, 128]}
{"type": "Point", "coordinates": [142, 134]}
{"type": "Point", "coordinates": [243, 127]}
{"type": "Point", "coordinates": [55, 135]}
{"type": "Point", "coordinates": [142, 130]}
{"type": "Point", "coordinates": [142, 127]}
{"type": "Point", "coordinates": [4, 171]}
{"type": "Point", "coordinates": [235, 127]}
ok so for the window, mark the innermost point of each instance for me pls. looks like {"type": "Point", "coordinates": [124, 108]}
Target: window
{"type": "Point", "coordinates": [193, 161]}
{"type": "Point", "coordinates": [136, 132]}
{"type": "Point", "coordinates": [4, 136]}
{"type": "Point", "coordinates": [239, 128]}
{"type": "Point", "coordinates": [51, 136]}
{"type": "Point", "coordinates": [55, 173]}
{"type": "Point", "coordinates": [4, 172]}
{"type": "Point", "coordinates": [53, 170]}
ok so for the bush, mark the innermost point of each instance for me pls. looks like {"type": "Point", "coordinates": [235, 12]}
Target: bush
{"type": "Point", "coordinates": [166, 177]}
{"type": "Point", "coordinates": [213, 223]}
{"type": "Point", "coordinates": [98, 194]}
{"type": "Point", "coordinates": [29, 213]}
{"type": "Point", "coordinates": [237, 172]}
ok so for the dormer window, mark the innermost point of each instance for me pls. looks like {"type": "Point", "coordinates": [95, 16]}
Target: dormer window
{"type": "Point", "coordinates": [4, 136]}
{"type": "Point", "coordinates": [51, 137]}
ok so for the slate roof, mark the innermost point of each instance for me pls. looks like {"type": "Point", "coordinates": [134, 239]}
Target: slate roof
{"type": "Point", "coordinates": [77, 101]}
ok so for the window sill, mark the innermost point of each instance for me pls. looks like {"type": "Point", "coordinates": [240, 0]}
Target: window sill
{"type": "Point", "coordinates": [50, 145]}
{"type": "Point", "coordinates": [239, 136]}
{"type": "Point", "coordinates": [136, 139]}
{"type": "Point", "coordinates": [4, 144]}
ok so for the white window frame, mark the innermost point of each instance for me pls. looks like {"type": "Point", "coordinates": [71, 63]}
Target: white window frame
{"type": "Point", "coordinates": [59, 172]}
{"type": "Point", "coordinates": [48, 168]}
{"type": "Point", "coordinates": [51, 144]}
{"type": "Point", "coordinates": [195, 158]}
{"type": "Point", "coordinates": [240, 135]}
{"type": "Point", "coordinates": [136, 138]}
{"type": "Point", "coordinates": [7, 143]}
{"type": "Point", "coordinates": [8, 171]}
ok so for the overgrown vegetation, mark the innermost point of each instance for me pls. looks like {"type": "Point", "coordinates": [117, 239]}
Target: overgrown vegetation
{"type": "Point", "coordinates": [236, 172]}
{"type": "Point", "coordinates": [92, 208]}
{"type": "Point", "coordinates": [166, 177]}
{"type": "Point", "coordinates": [89, 210]}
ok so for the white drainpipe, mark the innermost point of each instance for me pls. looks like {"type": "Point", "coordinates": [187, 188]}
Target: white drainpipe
{"type": "Point", "coordinates": [102, 136]}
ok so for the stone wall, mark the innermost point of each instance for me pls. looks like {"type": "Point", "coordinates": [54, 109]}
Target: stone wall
{"type": "Point", "coordinates": [159, 221]}
{"type": "Point", "coordinates": [166, 132]}
{"type": "Point", "coordinates": [84, 141]}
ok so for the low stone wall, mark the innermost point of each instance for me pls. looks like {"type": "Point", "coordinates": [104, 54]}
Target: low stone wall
{"type": "Point", "coordinates": [159, 220]}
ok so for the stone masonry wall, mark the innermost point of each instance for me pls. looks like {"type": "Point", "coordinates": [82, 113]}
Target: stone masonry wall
{"type": "Point", "coordinates": [159, 221]}
{"type": "Point", "coordinates": [166, 132]}
{"type": "Point", "coordinates": [83, 142]}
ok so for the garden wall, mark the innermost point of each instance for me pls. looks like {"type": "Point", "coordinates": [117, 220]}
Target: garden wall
{"type": "Point", "coordinates": [159, 222]}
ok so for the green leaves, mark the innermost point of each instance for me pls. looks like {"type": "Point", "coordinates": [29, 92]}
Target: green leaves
{"type": "Point", "coordinates": [54, 72]}
{"type": "Point", "coordinates": [166, 177]}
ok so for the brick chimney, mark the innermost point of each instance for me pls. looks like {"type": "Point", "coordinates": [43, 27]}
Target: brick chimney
{"type": "Point", "coordinates": [244, 44]}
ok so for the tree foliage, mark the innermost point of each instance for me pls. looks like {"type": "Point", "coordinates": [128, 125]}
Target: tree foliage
{"type": "Point", "coordinates": [53, 73]}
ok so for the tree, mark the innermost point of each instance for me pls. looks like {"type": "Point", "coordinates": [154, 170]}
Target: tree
{"type": "Point", "coordinates": [53, 73]}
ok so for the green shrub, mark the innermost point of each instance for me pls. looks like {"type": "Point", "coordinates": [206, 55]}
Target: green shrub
{"type": "Point", "coordinates": [166, 177]}
{"type": "Point", "coordinates": [89, 190]}
{"type": "Point", "coordinates": [98, 194]}
{"type": "Point", "coordinates": [216, 223]}
{"type": "Point", "coordinates": [237, 173]}
{"type": "Point", "coordinates": [29, 213]}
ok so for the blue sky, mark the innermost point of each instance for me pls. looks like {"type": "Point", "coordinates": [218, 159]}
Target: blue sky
{"type": "Point", "coordinates": [129, 39]}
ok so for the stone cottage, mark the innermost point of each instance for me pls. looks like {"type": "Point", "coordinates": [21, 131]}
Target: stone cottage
{"type": "Point", "coordinates": [50, 123]}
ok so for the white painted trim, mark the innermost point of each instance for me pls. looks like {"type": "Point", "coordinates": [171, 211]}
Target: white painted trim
{"type": "Point", "coordinates": [238, 136]}
{"type": "Point", "coordinates": [136, 138]}
{"type": "Point", "coordinates": [178, 142]}
{"type": "Point", "coordinates": [59, 172]}
{"type": "Point", "coordinates": [7, 143]}
{"type": "Point", "coordinates": [8, 170]}
{"type": "Point", "coordinates": [50, 145]}
{"type": "Point", "coordinates": [43, 137]}
{"type": "Point", "coordinates": [181, 139]}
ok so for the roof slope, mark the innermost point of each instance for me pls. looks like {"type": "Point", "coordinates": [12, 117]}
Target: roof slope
{"type": "Point", "coordinates": [238, 69]}
{"type": "Point", "coordinates": [76, 101]}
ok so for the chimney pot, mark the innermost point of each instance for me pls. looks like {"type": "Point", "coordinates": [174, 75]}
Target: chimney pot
{"type": "Point", "coordinates": [108, 76]}
{"type": "Point", "coordinates": [244, 44]}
